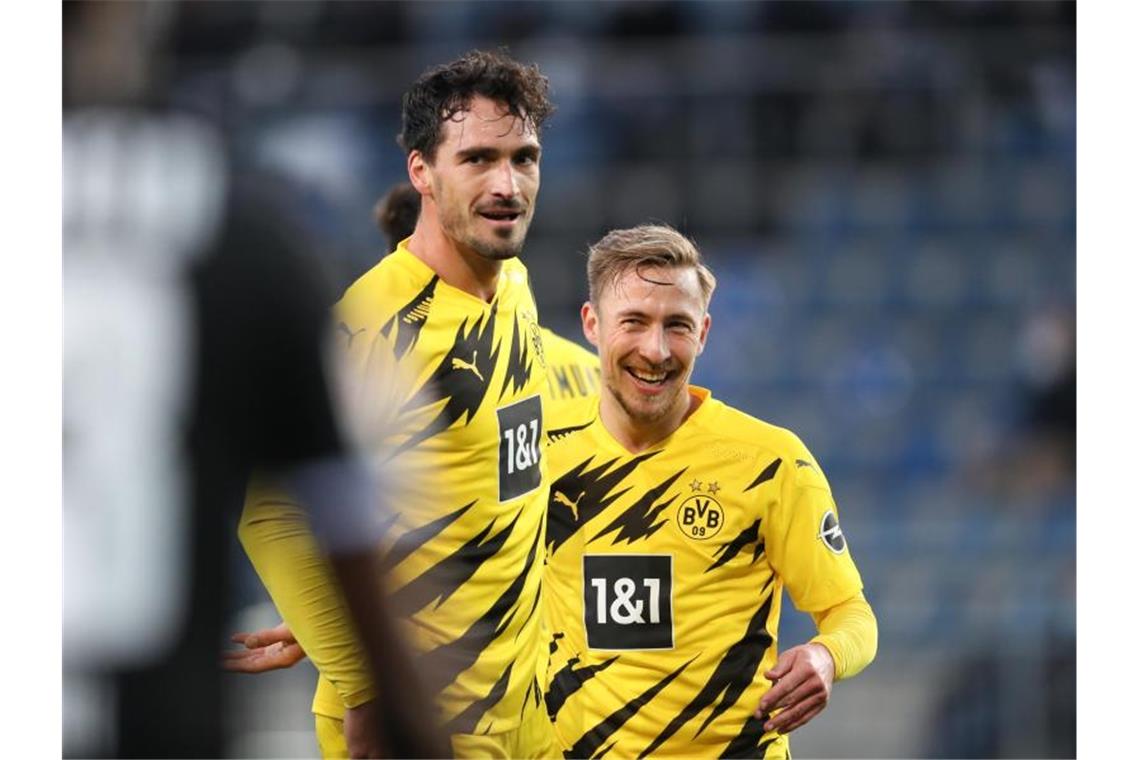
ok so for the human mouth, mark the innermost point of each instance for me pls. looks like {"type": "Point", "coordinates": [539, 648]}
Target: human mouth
{"type": "Point", "coordinates": [501, 216]}
{"type": "Point", "coordinates": [648, 380]}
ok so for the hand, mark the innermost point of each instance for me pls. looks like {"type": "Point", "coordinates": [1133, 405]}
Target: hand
{"type": "Point", "coordinates": [265, 650]}
{"type": "Point", "coordinates": [360, 732]}
{"type": "Point", "coordinates": [802, 679]}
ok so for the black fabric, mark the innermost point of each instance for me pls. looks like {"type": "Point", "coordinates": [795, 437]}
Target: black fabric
{"type": "Point", "coordinates": [261, 402]}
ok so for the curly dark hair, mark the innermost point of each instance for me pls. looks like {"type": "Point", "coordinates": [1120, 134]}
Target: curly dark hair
{"type": "Point", "coordinates": [446, 90]}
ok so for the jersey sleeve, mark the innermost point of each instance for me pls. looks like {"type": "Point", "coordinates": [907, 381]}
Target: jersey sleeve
{"type": "Point", "coordinates": [803, 540]}
{"type": "Point", "coordinates": [275, 534]}
{"type": "Point", "coordinates": [850, 633]}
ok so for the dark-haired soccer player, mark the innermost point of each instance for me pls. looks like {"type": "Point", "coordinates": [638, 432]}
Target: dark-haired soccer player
{"type": "Point", "coordinates": [451, 311]}
{"type": "Point", "coordinates": [572, 375]}
{"type": "Point", "coordinates": [675, 524]}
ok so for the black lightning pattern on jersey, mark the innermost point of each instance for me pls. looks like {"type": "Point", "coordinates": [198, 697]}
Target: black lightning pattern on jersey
{"type": "Point", "coordinates": [733, 547]}
{"type": "Point", "coordinates": [529, 615]}
{"type": "Point", "coordinates": [639, 521]}
{"type": "Point", "coordinates": [732, 676]}
{"type": "Point", "coordinates": [518, 364]}
{"type": "Point", "coordinates": [560, 433]}
{"type": "Point", "coordinates": [444, 578]}
{"type": "Point", "coordinates": [461, 378]}
{"type": "Point", "coordinates": [584, 494]}
{"type": "Point", "coordinates": [554, 641]}
{"type": "Point", "coordinates": [446, 662]}
{"type": "Point", "coordinates": [768, 473]}
{"type": "Point", "coordinates": [747, 743]}
{"type": "Point", "coordinates": [593, 739]}
{"type": "Point", "coordinates": [410, 319]}
{"type": "Point", "coordinates": [416, 538]}
{"type": "Point", "coordinates": [465, 722]}
{"type": "Point", "coordinates": [568, 680]}
{"type": "Point", "coordinates": [536, 690]}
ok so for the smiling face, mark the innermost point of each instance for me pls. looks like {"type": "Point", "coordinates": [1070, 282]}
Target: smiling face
{"type": "Point", "coordinates": [483, 180]}
{"type": "Point", "coordinates": [649, 326]}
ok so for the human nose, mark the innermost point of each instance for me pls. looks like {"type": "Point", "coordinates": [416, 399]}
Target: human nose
{"type": "Point", "coordinates": [654, 346]}
{"type": "Point", "coordinates": [504, 181]}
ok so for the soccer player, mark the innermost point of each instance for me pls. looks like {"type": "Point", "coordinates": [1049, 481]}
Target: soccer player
{"type": "Point", "coordinates": [675, 524]}
{"type": "Point", "coordinates": [451, 311]}
{"type": "Point", "coordinates": [572, 373]}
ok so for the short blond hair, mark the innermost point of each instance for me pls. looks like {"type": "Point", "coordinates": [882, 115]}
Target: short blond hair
{"type": "Point", "coordinates": [647, 245]}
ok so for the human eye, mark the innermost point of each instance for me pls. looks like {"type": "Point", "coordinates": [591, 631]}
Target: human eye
{"type": "Point", "coordinates": [526, 157]}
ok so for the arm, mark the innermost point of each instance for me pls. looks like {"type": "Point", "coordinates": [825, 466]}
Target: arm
{"type": "Point", "coordinates": [808, 550]}
{"type": "Point", "coordinates": [275, 535]}
{"type": "Point", "coordinates": [850, 634]}
{"type": "Point", "coordinates": [803, 675]}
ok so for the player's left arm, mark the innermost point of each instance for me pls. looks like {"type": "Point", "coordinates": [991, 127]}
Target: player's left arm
{"type": "Point", "coordinates": [847, 642]}
{"type": "Point", "coordinates": [808, 550]}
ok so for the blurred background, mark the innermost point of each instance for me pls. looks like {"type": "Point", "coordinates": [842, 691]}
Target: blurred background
{"type": "Point", "coordinates": [886, 192]}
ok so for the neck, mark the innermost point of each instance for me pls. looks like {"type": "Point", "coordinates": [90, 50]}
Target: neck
{"type": "Point", "coordinates": [635, 437]}
{"type": "Point", "coordinates": [455, 263]}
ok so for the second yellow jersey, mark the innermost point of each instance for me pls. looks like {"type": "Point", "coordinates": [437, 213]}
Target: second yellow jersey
{"type": "Point", "coordinates": [572, 382]}
{"type": "Point", "coordinates": [664, 580]}
{"type": "Point", "coordinates": [463, 446]}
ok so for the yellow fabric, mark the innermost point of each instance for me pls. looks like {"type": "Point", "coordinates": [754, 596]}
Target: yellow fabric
{"type": "Point", "coordinates": [275, 535]}
{"type": "Point", "coordinates": [572, 384]}
{"type": "Point", "coordinates": [330, 737]}
{"type": "Point", "coordinates": [851, 633]}
{"type": "Point", "coordinates": [572, 370]}
{"type": "Point", "coordinates": [532, 739]}
{"type": "Point", "coordinates": [461, 435]}
{"type": "Point", "coordinates": [664, 581]}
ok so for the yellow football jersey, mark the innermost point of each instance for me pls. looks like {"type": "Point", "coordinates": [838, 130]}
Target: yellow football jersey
{"type": "Point", "coordinates": [664, 579]}
{"type": "Point", "coordinates": [572, 384]}
{"type": "Point", "coordinates": [572, 370]}
{"type": "Point", "coordinates": [464, 444]}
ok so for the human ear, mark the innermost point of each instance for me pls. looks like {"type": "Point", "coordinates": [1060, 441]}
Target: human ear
{"type": "Point", "coordinates": [419, 172]}
{"type": "Point", "coordinates": [590, 323]}
{"type": "Point", "coordinates": [706, 325]}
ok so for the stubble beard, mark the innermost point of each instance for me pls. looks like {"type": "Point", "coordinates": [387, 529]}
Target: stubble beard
{"type": "Point", "coordinates": [456, 227]}
{"type": "Point", "coordinates": [641, 415]}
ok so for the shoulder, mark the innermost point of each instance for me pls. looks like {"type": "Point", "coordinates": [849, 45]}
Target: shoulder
{"type": "Point", "coordinates": [566, 416]}
{"type": "Point", "coordinates": [737, 434]}
{"type": "Point", "coordinates": [382, 290]}
{"type": "Point", "coordinates": [571, 445]}
{"type": "Point", "coordinates": [561, 350]}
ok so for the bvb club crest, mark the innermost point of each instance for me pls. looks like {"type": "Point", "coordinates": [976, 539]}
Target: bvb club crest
{"type": "Point", "coordinates": [700, 516]}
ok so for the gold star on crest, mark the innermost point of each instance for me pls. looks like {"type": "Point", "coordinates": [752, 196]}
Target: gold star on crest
{"type": "Point", "coordinates": [713, 487]}
{"type": "Point", "coordinates": [695, 485]}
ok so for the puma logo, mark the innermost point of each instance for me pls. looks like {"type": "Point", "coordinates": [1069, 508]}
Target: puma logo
{"type": "Point", "coordinates": [560, 498]}
{"type": "Point", "coordinates": [460, 364]}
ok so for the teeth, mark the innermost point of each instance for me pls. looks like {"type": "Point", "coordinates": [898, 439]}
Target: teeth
{"type": "Point", "coordinates": [649, 377]}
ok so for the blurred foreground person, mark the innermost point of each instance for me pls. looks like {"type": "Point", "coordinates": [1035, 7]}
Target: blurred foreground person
{"type": "Point", "coordinates": [193, 353]}
{"type": "Point", "coordinates": [451, 311]}
{"type": "Point", "coordinates": [675, 525]}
